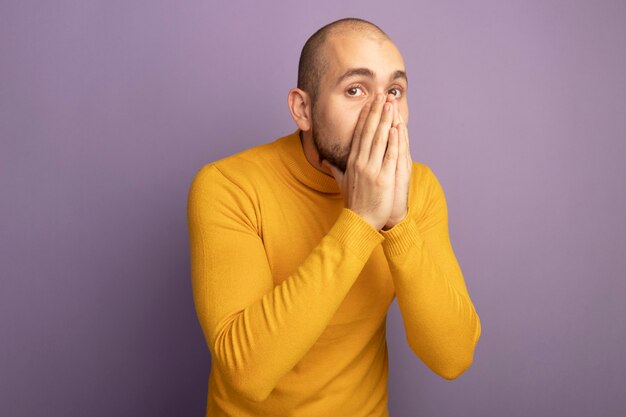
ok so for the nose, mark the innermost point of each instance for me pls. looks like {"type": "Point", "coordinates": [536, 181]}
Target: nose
{"type": "Point", "coordinates": [383, 96]}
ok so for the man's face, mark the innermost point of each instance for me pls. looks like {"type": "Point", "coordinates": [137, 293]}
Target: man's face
{"type": "Point", "coordinates": [360, 65]}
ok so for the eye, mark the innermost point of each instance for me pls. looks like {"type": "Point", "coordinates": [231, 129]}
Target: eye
{"type": "Point", "coordinates": [354, 91]}
{"type": "Point", "coordinates": [396, 92]}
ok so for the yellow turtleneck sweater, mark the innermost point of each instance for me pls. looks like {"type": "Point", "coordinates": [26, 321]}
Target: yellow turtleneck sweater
{"type": "Point", "coordinates": [292, 289]}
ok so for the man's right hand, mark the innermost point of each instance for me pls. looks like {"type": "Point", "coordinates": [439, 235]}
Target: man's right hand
{"type": "Point", "coordinates": [368, 182]}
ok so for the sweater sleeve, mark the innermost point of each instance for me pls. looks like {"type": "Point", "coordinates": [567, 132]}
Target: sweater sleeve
{"type": "Point", "coordinates": [256, 331]}
{"type": "Point", "coordinates": [441, 324]}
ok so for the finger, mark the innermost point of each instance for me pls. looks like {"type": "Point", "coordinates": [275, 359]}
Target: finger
{"type": "Point", "coordinates": [356, 137]}
{"type": "Point", "coordinates": [382, 135]}
{"type": "Point", "coordinates": [396, 114]}
{"type": "Point", "coordinates": [400, 118]}
{"type": "Point", "coordinates": [405, 135]}
{"type": "Point", "coordinates": [404, 151]}
{"type": "Point", "coordinates": [370, 126]}
{"type": "Point", "coordinates": [408, 159]}
{"type": "Point", "coordinates": [408, 147]}
{"type": "Point", "coordinates": [334, 170]}
{"type": "Point", "coordinates": [391, 155]}
{"type": "Point", "coordinates": [402, 147]}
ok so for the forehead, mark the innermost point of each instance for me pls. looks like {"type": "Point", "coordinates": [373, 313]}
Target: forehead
{"type": "Point", "coordinates": [348, 50]}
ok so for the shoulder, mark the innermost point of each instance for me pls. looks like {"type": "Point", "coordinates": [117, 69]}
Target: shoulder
{"type": "Point", "coordinates": [238, 170]}
{"type": "Point", "coordinates": [227, 190]}
{"type": "Point", "coordinates": [421, 173]}
{"type": "Point", "coordinates": [426, 194]}
{"type": "Point", "coordinates": [423, 180]}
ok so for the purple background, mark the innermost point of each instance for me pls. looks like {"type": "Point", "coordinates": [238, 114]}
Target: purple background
{"type": "Point", "coordinates": [108, 109]}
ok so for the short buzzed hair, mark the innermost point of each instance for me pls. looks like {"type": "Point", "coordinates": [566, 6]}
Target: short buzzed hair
{"type": "Point", "coordinates": [312, 62]}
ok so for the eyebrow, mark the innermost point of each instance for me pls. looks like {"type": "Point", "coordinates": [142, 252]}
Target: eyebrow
{"type": "Point", "coordinates": [370, 74]}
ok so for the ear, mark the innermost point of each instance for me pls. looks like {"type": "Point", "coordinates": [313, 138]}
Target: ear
{"type": "Point", "coordinates": [300, 108]}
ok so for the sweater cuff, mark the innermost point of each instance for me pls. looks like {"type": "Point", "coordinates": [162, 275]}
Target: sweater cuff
{"type": "Point", "coordinates": [401, 237]}
{"type": "Point", "coordinates": [354, 233]}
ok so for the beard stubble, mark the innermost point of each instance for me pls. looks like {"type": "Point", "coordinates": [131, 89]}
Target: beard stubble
{"type": "Point", "coordinates": [328, 149]}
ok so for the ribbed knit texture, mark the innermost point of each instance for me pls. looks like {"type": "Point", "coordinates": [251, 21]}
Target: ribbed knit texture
{"type": "Point", "coordinates": [292, 289]}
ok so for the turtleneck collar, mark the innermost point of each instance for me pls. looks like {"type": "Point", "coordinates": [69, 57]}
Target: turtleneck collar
{"type": "Point", "coordinates": [292, 154]}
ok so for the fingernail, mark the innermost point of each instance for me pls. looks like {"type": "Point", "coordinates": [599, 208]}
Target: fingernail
{"type": "Point", "coordinates": [387, 106]}
{"type": "Point", "coordinates": [379, 98]}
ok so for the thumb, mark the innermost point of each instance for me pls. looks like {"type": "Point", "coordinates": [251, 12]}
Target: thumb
{"type": "Point", "coordinates": [334, 170]}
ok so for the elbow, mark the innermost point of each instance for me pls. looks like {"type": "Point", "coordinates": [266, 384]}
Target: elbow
{"type": "Point", "coordinates": [258, 396]}
{"type": "Point", "coordinates": [448, 362]}
{"type": "Point", "coordinates": [460, 360]}
{"type": "Point", "coordinates": [252, 392]}
{"type": "Point", "coordinates": [454, 369]}
{"type": "Point", "coordinates": [244, 384]}
{"type": "Point", "coordinates": [247, 377]}
{"type": "Point", "coordinates": [449, 366]}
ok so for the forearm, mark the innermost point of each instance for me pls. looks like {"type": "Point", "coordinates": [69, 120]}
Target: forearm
{"type": "Point", "coordinates": [441, 324]}
{"type": "Point", "coordinates": [258, 344]}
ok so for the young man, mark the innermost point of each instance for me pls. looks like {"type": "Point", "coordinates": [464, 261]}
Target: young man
{"type": "Point", "coordinates": [298, 246]}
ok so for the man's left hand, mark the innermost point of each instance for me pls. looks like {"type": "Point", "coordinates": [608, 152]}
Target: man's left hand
{"type": "Point", "coordinates": [403, 173]}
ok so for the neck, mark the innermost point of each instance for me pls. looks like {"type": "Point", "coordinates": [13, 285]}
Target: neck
{"type": "Point", "coordinates": [310, 152]}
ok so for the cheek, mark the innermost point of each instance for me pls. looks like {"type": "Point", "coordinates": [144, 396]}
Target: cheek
{"type": "Point", "coordinates": [352, 118]}
{"type": "Point", "coordinates": [342, 120]}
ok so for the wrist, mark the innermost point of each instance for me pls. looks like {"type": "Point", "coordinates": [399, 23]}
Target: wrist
{"type": "Point", "coordinates": [402, 238]}
{"type": "Point", "coordinates": [371, 220]}
{"type": "Point", "coordinates": [392, 222]}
